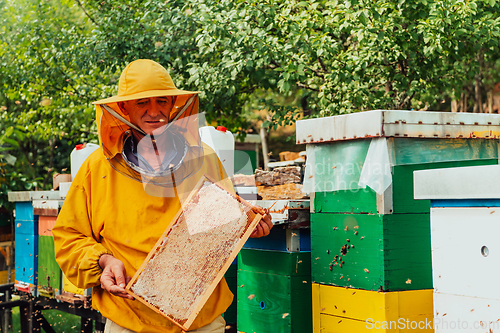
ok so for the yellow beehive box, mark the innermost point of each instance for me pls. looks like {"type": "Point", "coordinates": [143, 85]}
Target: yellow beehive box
{"type": "Point", "coordinates": [340, 310]}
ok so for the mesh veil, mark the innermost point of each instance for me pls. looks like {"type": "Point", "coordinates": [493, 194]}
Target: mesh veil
{"type": "Point", "coordinates": [161, 160]}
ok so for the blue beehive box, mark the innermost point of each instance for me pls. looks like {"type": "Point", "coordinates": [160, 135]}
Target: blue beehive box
{"type": "Point", "coordinates": [24, 211]}
{"type": "Point", "coordinates": [277, 240]}
{"type": "Point", "coordinates": [26, 227]}
{"type": "Point", "coordinates": [26, 258]}
{"type": "Point", "coordinates": [26, 254]}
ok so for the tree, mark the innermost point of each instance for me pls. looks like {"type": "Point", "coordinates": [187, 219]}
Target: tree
{"type": "Point", "coordinates": [338, 56]}
{"type": "Point", "coordinates": [48, 80]}
{"type": "Point", "coordinates": [328, 57]}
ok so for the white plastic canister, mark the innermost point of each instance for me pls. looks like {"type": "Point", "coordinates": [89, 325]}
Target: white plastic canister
{"type": "Point", "coordinates": [222, 141]}
{"type": "Point", "coordinates": [79, 155]}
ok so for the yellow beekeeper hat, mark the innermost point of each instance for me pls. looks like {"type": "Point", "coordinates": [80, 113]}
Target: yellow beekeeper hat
{"type": "Point", "coordinates": [144, 78]}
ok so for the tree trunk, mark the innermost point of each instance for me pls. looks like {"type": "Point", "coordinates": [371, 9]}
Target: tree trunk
{"type": "Point", "coordinates": [305, 106]}
{"type": "Point", "coordinates": [454, 105]}
{"type": "Point", "coordinates": [489, 96]}
{"type": "Point", "coordinates": [265, 155]}
{"type": "Point", "coordinates": [478, 103]}
{"type": "Point", "coordinates": [463, 101]}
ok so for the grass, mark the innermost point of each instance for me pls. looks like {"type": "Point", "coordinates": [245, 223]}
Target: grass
{"type": "Point", "coordinates": [61, 322]}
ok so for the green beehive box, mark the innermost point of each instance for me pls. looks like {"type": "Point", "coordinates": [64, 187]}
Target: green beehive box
{"type": "Point", "coordinates": [49, 273]}
{"type": "Point", "coordinates": [338, 166]}
{"type": "Point", "coordinates": [365, 200]}
{"type": "Point", "coordinates": [379, 252]}
{"type": "Point", "coordinates": [274, 292]}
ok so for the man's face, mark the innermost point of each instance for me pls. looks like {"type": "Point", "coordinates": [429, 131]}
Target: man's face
{"type": "Point", "coordinates": [148, 113]}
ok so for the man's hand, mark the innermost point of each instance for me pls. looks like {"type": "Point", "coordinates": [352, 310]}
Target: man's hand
{"type": "Point", "coordinates": [264, 227]}
{"type": "Point", "coordinates": [113, 278]}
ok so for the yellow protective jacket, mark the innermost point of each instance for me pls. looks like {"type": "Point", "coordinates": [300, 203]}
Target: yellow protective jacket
{"type": "Point", "coordinates": [107, 212]}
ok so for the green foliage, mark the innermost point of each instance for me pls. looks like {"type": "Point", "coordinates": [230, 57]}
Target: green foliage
{"type": "Point", "coordinates": [329, 57]}
{"type": "Point", "coordinates": [340, 56]}
{"type": "Point", "coordinates": [61, 322]}
{"type": "Point", "coordinates": [47, 85]}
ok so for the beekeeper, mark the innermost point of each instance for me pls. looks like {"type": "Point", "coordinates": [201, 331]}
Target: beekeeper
{"type": "Point", "coordinates": [125, 195]}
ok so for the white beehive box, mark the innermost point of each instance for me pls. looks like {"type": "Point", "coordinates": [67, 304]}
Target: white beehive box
{"type": "Point", "coordinates": [398, 123]}
{"type": "Point", "coordinates": [465, 223]}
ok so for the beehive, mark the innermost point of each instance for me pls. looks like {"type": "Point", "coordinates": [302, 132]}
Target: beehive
{"type": "Point", "coordinates": [465, 217]}
{"type": "Point", "coordinates": [360, 173]}
{"type": "Point", "coordinates": [274, 291]}
{"type": "Point", "coordinates": [191, 257]}
{"type": "Point", "coordinates": [371, 251]}
{"type": "Point", "coordinates": [26, 254]}
{"type": "Point", "coordinates": [340, 310]}
{"type": "Point", "coordinates": [49, 272]}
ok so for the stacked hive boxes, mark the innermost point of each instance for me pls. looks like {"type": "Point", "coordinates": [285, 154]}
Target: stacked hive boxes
{"type": "Point", "coordinates": [27, 237]}
{"type": "Point", "coordinates": [371, 252]}
{"type": "Point", "coordinates": [274, 275]}
{"type": "Point", "coordinates": [37, 272]}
